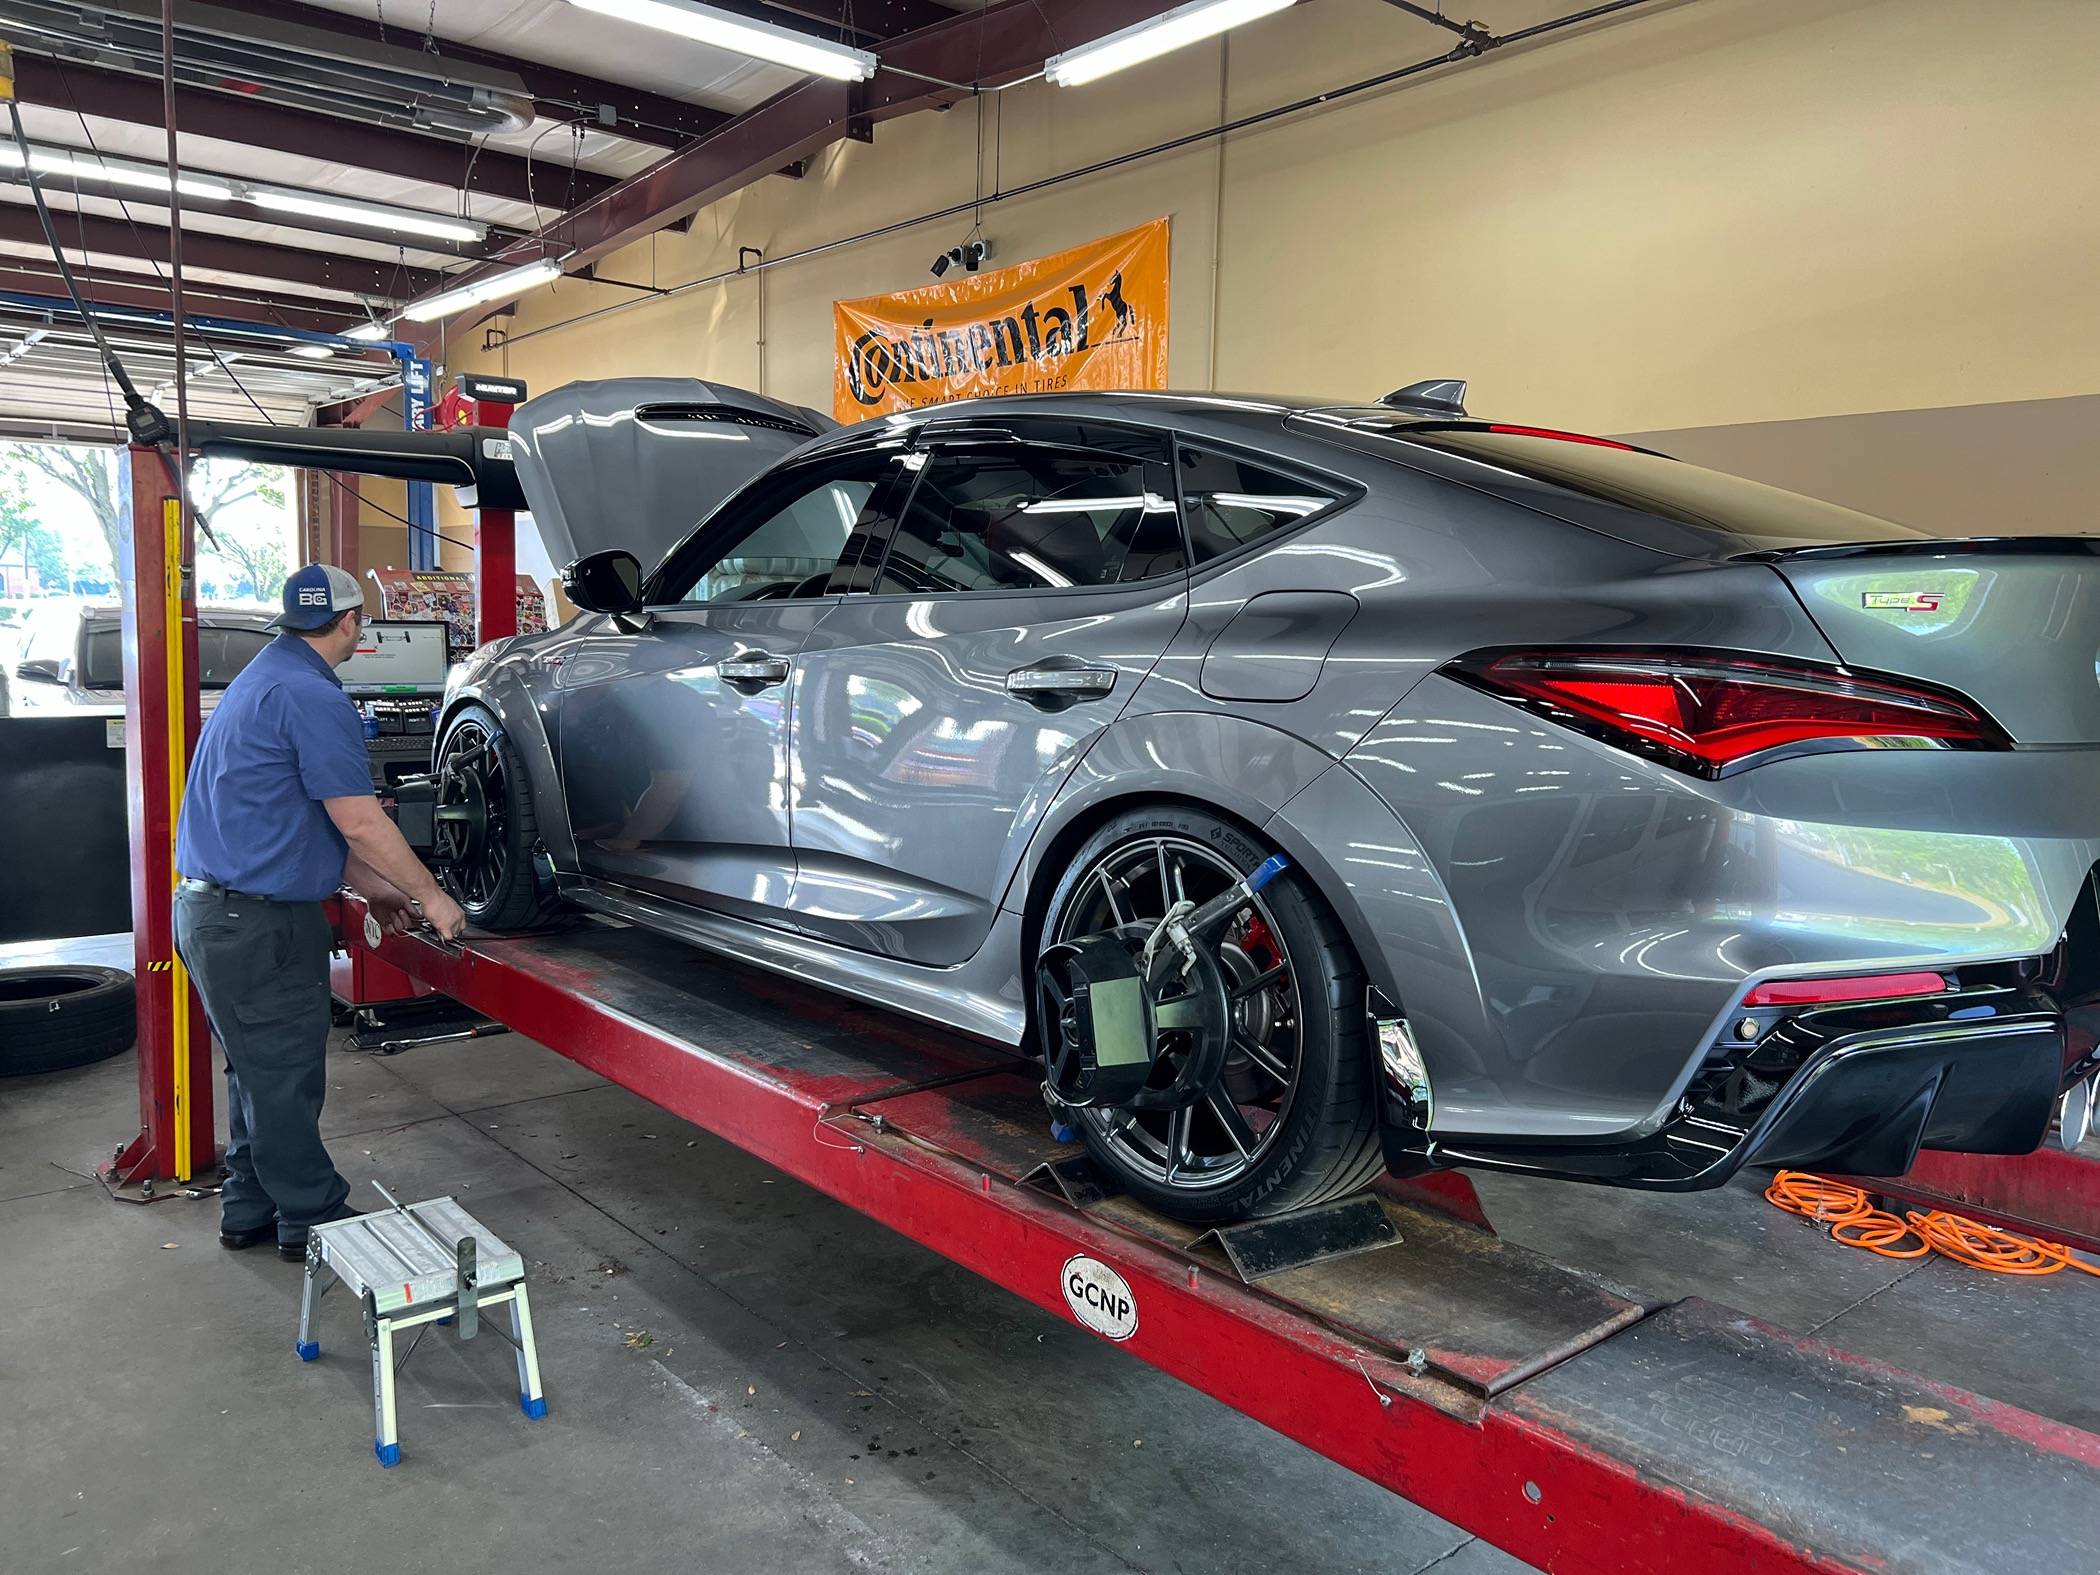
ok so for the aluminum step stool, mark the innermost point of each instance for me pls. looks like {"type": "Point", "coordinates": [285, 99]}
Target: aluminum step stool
{"type": "Point", "coordinates": [413, 1265]}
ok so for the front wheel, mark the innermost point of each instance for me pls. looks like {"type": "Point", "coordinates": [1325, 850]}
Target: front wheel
{"type": "Point", "coordinates": [1290, 1120]}
{"type": "Point", "coordinates": [487, 836]}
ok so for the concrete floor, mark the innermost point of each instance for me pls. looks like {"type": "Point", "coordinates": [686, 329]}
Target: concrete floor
{"type": "Point", "coordinates": [743, 1375]}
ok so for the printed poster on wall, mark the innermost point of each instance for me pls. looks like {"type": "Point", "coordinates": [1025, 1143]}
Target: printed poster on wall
{"type": "Point", "coordinates": [1091, 317]}
{"type": "Point", "coordinates": [449, 596]}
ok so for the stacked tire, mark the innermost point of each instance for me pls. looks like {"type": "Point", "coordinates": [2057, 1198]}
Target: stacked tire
{"type": "Point", "coordinates": [57, 1016]}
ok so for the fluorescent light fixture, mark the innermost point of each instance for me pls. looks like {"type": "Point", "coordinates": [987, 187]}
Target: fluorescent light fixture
{"type": "Point", "coordinates": [496, 287]}
{"type": "Point", "coordinates": [408, 221]}
{"type": "Point", "coordinates": [1169, 31]}
{"type": "Point", "coordinates": [741, 35]}
{"type": "Point", "coordinates": [86, 166]}
{"type": "Point", "coordinates": [314, 352]}
{"type": "Point", "coordinates": [368, 332]}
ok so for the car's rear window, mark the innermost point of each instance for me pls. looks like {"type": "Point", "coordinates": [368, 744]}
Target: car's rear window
{"type": "Point", "coordinates": [1759, 517]}
{"type": "Point", "coordinates": [221, 654]}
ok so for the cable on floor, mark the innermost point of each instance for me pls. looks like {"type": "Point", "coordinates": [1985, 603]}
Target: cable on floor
{"type": "Point", "coordinates": [1855, 1222]}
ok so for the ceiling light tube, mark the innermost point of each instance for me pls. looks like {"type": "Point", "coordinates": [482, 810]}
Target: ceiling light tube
{"type": "Point", "coordinates": [86, 166]}
{"type": "Point", "coordinates": [408, 221]}
{"type": "Point", "coordinates": [1169, 31]}
{"type": "Point", "coordinates": [369, 332]}
{"type": "Point", "coordinates": [496, 287]}
{"type": "Point", "coordinates": [741, 35]}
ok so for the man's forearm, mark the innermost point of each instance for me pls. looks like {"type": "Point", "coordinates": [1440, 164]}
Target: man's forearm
{"type": "Point", "coordinates": [367, 882]}
{"type": "Point", "coordinates": [376, 843]}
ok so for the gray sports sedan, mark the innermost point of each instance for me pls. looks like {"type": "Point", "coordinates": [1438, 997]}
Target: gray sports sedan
{"type": "Point", "coordinates": [1318, 788]}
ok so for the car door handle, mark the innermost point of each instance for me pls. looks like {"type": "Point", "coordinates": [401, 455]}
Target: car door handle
{"type": "Point", "coordinates": [754, 670]}
{"type": "Point", "coordinates": [1057, 686]}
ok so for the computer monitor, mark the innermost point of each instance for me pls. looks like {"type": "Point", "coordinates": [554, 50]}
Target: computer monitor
{"type": "Point", "coordinates": [396, 657]}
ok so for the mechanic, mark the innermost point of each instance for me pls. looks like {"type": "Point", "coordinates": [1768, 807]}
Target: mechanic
{"type": "Point", "coordinates": [278, 815]}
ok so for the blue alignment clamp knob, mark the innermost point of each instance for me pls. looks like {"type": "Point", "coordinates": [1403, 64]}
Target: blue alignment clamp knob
{"type": "Point", "coordinates": [1271, 867]}
{"type": "Point", "coordinates": [388, 1455]}
{"type": "Point", "coordinates": [535, 1409]}
{"type": "Point", "coordinates": [309, 1350]}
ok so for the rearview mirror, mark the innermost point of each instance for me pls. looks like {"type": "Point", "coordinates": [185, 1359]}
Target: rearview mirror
{"type": "Point", "coordinates": [605, 582]}
{"type": "Point", "coordinates": [41, 672]}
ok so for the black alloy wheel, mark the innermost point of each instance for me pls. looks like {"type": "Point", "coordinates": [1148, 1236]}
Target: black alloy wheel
{"type": "Point", "coordinates": [1289, 1120]}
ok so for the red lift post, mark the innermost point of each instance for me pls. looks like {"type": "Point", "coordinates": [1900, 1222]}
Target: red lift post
{"type": "Point", "coordinates": [176, 1139]}
{"type": "Point", "coordinates": [478, 400]}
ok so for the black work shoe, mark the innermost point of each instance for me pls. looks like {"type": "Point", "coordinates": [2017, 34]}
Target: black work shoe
{"type": "Point", "coordinates": [295, 1251]}
{"type": "Point", "coordinates": [253, 1236]}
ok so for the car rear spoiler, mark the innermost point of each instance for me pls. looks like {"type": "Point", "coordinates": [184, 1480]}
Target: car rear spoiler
{"type": "Point", "coordinates": [474, 459]}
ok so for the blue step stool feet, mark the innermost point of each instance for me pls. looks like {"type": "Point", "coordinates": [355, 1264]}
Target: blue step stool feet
{"type": "Point", "coordinates": [389, 1454]}
{"type": "Point", "coordinates": [534, 1409]}
{"type": "Point", "coordinates": [308, 1349]}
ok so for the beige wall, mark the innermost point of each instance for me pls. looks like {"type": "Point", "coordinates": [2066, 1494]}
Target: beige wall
{"type": "Point", "coordinates": [1718, 212]}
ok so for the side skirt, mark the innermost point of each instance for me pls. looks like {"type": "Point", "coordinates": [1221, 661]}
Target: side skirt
{"type": "Point", "coordinates": [982, 996]}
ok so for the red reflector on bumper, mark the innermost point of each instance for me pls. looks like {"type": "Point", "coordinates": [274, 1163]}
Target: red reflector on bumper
{"type": "Point", "coordinates": [1860, 987]}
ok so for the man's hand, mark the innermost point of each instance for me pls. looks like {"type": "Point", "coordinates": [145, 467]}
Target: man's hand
{"type": "Point", "coordinates": [393, 911]}
{"type": "Point", "coordinates": [442, 914]}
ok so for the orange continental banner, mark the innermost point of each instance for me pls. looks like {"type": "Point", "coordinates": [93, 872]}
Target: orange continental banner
{"type": "Point", "coordinates": [1091, 317]}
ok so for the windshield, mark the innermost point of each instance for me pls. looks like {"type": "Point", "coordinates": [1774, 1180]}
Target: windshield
{"type": "Point", "coordinates": [221, 653]}
{"type": "Point", "coordinates": [1752, 516]}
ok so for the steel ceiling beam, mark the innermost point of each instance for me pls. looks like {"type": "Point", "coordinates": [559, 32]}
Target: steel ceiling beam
{"type": "Point", "coordinates": [36, 276]}
{"type": "Point", "coordinates": [222, 253]}
{"type": "Point", "coordinates": [869, 19]}
{"type": "Point", "coordinates": [557, 92]}
{"type": "Point", "coordinates": [998, 44]}
{"type": "Point", "coordinates": [120, 95]}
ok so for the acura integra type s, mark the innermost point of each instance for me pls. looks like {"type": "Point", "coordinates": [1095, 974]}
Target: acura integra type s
{"type": "Point", "coordinates": [1317, 788]}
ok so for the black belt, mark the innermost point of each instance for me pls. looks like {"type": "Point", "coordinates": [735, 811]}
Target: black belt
{"type": "Point", "coordinates": [211, 888]}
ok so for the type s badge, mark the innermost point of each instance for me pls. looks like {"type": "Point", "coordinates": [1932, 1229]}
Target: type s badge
{"type": "Point", "coordinates": [1900, 601]}
{"type": "Point", "coordinates": [1099, 1297]}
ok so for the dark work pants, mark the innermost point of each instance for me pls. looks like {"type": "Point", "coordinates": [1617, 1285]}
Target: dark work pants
{"type": "Point", "coordinates": [262, 968]}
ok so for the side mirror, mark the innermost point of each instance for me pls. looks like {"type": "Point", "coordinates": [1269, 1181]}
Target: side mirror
{"type": "Point", "coordinates": [605, 582]}
{"type": "Point", "coordinates": [41, 672]}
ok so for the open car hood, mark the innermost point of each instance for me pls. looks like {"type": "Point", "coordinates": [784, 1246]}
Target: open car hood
{"type": "Point", "coordinates": [636, 462]}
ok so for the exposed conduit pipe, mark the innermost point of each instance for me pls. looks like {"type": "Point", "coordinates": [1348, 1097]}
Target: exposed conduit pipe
{"type": "Point", "coordinates": [1458, 55]}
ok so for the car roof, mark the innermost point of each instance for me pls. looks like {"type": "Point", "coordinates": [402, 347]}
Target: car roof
{"type": "Point", "coordinates": [223, 617]}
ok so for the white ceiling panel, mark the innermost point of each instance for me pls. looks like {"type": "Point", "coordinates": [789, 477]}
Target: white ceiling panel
{"type": "Point", "coordinates": [556, 33]}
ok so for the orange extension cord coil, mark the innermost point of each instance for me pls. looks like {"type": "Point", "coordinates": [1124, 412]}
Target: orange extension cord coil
{"type": "Point", "coordinates": [1857, 1223]}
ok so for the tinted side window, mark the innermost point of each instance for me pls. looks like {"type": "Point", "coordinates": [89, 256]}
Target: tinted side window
{"type": "Point", "coordinates": [796, 533]}
{"type": "Point", "coordinates": [1031, 518]}
{"type": "Point", "coordinates": [1228, 503]}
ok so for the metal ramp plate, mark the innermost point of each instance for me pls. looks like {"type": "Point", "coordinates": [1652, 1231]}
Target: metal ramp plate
{"type": "Point", "coordinates": [1482, 1313]}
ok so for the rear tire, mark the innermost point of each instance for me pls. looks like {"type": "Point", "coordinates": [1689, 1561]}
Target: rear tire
{"type": "Point", "coordinates": [1317, 1138]}
{"type": "Point", "coordinates": [488, 837]}
{"type": "Point", "coordinates": [61, 1015]}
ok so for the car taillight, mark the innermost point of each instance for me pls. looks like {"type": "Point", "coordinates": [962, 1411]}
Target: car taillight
{"type": "Point", "coordinates": [1710, 714]}
{"type": "Point", "coordinates": [1851, 987]}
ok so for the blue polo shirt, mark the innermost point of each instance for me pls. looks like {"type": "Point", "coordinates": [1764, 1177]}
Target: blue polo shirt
{"type": "Point", "coordinates": [283, 737]}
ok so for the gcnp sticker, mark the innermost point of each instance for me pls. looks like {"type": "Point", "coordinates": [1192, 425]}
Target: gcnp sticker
{"type": "Point", "coordinates": [1100, 1298]}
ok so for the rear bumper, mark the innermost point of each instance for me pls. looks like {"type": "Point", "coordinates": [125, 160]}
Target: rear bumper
{"type": "Point", "coordinates": [1856, 1089]}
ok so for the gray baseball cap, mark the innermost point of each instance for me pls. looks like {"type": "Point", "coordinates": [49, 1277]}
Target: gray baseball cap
{"type": "Point", "coordinates": [315, 594]}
